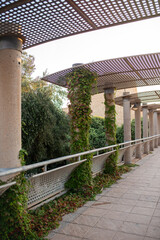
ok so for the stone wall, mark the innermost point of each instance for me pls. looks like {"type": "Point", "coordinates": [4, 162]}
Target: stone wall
{"type": "Point", "coordinates": [98, 108]}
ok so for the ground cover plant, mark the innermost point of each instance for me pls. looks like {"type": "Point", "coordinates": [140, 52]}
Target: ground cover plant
{"type": "Point", "coordinates": [47, 217]}
{"type": "Point", "coordinates": [35, 224]}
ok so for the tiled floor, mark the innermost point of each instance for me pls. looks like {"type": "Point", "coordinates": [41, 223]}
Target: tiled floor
{"type": "Point", "coordinates": [129, 210]}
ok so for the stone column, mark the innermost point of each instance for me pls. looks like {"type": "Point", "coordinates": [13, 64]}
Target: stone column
{"type": "Point", "coordinates": [158, 114]}
{"type": "Point", "coordinates": [155, 123]}
{"type": "Point", "coordinates": [151, 132]}
{"type": "Point", "coordinates": [109, 102]}
{"type": "Point", "coordinates": [10, 101]}
{"type": "Point", "coordinates": [127, 126]}
{"type": "Point", "coordinates": [145, 127]}
{"type": "Point", "coordinates": [138, 129]}
{"type": "Point", "coordinates": [110, 127]}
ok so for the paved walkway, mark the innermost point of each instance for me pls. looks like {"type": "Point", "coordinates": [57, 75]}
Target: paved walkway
{"type": "Point", "coordinates": [129, 210]}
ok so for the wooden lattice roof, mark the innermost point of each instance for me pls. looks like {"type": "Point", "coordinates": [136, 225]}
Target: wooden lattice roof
{"type": "Point", "coordinates": [141, 97]}
{"type": "Point", "coordinates": [41, 21]}
{"type": "Point", "coordinates": [119, 73]}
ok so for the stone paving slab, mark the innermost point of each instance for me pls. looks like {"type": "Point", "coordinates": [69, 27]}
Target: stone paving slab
{"type": "Point", "coordinates": [128, 210]}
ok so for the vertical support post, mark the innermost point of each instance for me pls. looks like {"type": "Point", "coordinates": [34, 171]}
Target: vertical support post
{"type": "Point", "coordinates": [127, 126]}
{"type": "Point", "coordinates": [10, 101]}
{"type": "Point", "coordinates": [109, 103]}
{"type": "Point", "coordinates": [145, 127]}
{"type": "Point", "coordinates": [151, 132]}
{"type": "Point", "coordinates": [158, 114]}
{"type": "Point", "coordinates": [80, 82]}
{"type": "Point", "coordinates": [155, 122]}
{"type": "Point", "coordinates": [110, 127]}
{"type": "Point", "coordinates": [138, 129]}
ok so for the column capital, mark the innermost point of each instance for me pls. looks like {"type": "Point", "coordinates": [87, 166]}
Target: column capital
{"type": "Point", "coordinates": [144, 105]}
{"type": "Point", "coordinates": [126, 95]}
{"type": "Point", "coordinates": [136, 106]}
{"type": "Point", "coordinates": [109, 90]}
{"type": "Point", "coordinates": [11, 42]}
{"type": "Point", "coordinates": [77, 65]}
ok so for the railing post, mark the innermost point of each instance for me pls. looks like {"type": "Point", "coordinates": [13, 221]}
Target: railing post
{"type": "Point", "coordinates": [151, 132]}
{"type": "Point", "coordinates": [145, 127]}
{"type": "Point", "coordinates": [127, 126]}
{"type": "Point", "coordinates": [45, 168]}
{"type": "Point", "coordinates": [138, 129]}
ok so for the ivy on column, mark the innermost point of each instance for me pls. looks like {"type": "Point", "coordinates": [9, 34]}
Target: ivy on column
{"type": "Point", "coordinates": [110, 127]}
{"type": "Point", "coordinates": [80, 82]}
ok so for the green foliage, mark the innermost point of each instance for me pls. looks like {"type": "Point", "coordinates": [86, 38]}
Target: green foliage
{"type": "Point", "coordinates": [110, 126]}
{"type": "Point", "coordinates": [111, 163]}
{"type": "Point", "coordinates": [47, 217]}
{"type": "Point", "coordinates": [79, 87]}
{"type": "Point", "coordinates": [22, 154]}
{"type": "Point", "coordinates": [120, 131]}
{"type": "Point", "coordinates": [97, 133]}
{"type": "Point", "coordinates": [80, 82]}
{"type": "Point", "coordinates": [45, 128]}
{"type": "Point", "coordinates": [17, 223]}
{"type": "Point", "coordinates": [14, 218]}
{"type": "Point", "coordinates": [80, 177]}
{"type": "Point", "coordinates": [57, 94]}
{"type": "Point", "coordinates": [28, 66]}
{"type": "Point", "coordinates": [45, 132]}
{"type": "Point", "coordinates": [120, 134]}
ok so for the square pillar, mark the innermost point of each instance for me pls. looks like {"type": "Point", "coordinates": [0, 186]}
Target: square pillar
{"type": "Point", "coordinates": [138, 129]}
{"type": "Point", "coordinates": [127, 126]}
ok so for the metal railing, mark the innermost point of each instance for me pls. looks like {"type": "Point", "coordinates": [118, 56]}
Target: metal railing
{"type": "Point", "coordinates": [51, 182]}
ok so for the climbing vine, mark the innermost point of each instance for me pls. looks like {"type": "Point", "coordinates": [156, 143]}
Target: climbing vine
{"type": "Point", "coordinates": [110, 126]}
{"type": "Point", "coordinates": [80, 82]}
{"type": "Point", "coordinates": [14, 217]}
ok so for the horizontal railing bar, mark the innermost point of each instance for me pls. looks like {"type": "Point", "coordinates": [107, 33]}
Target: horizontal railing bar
{"type": "Point", "coordinates": [60, 159]}
{"type": "Point", "coordinates": [58, 168]}
{"type": "Point", "coordinates": [7, 185]}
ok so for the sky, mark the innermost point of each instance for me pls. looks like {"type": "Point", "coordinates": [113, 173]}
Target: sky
{"type": "Point", "coordinates": [142, 37]}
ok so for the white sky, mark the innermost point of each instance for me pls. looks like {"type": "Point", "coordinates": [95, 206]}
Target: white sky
{"type": "Point", "coordinates": [129, 39]}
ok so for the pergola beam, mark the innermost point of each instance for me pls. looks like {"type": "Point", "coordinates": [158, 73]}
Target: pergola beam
{"type": "Point", "coordinates": [136, 72]}
{"type": "Point", "coordinates": [84, 16]}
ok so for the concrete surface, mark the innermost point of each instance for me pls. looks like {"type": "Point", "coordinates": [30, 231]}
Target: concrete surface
{"type": "Point", "coordinates": [129, 210]}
